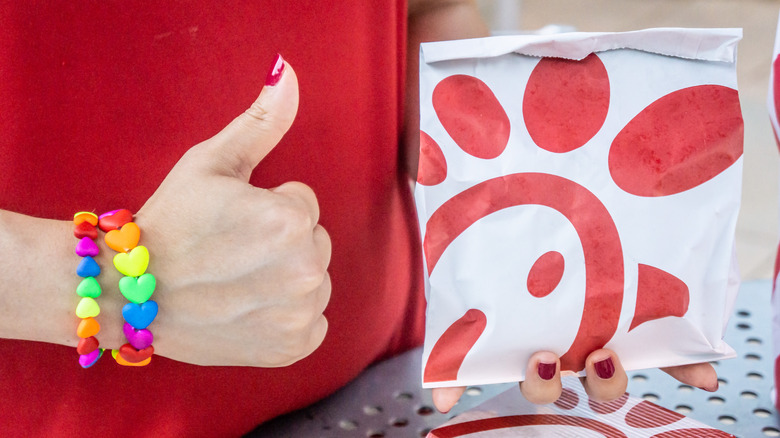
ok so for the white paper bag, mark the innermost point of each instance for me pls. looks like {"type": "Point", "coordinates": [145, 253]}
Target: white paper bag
{"type": "Point", "coordinates": [577, 191]}
{"type": "Point", "coordinates": [773, 104]}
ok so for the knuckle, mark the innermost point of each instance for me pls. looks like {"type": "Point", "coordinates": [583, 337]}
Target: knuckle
{"type": "Point", "coordinates": [291, 221]}
{"type": "Point", "coordinates": [302, 195]}
{"type": "Point", "coordinates": [310, 275]}
{"type": "Point", "coordinates": [299, 325]}
{"type": "Point", "coordinates": [297, 188]}
{"type": "Point", "coordinates": [257, 111]}
{"type": "Point", "coordinates": [301, 337]}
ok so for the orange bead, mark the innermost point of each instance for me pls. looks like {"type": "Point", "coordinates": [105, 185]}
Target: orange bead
{"type": "Point", "coordinates": [88, 327]}
{"type": "Point", "coordinates": [125, 238]}
{"type": "Point", "coordinates": [121, 361]}
{"type": "Point", "coordinates": [85, 216]}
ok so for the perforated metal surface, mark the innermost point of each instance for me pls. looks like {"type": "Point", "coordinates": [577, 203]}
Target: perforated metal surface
{"type": "Point", "coordinates": [387, 401]}
{"type": "Point", "coordinates": [742, 405]}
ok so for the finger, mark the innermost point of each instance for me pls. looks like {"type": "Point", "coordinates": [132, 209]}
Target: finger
{"type": "Point", "coordinates": [700, 375]}
{"type": "Point", "coordinates": [606, 379]}
{"type": "Point", "coordinates": [445, 398]}
{"type": "Point", "coordinates": [323, 295]}
{"type": "Point", "coordinates": [316, 338]}
{"type": "Point", "coordinates": [303, 194]}
{"type": "Point", "coordinates": [542, 384]}
{"type": "Point", "coordinates": [318, 333]}
{"type": "Point", "coordinates": [319, 327]}
{"type": "Point", "coordinates": [323, 244]}
{"type": "Point", "coordinates": [238, 148]}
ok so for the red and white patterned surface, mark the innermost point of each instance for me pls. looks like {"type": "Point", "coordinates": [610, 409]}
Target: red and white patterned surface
{"type": "Point", "coordinates": [574, 414]}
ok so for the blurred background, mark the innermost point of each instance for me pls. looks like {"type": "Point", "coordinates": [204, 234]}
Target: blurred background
{"type": "Point", "coordinates": [757, 228]}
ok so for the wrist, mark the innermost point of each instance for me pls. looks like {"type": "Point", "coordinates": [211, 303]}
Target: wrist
{"type": "Point", "coordinates": [38, 296]}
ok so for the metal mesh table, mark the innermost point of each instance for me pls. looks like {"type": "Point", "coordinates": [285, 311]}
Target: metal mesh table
{"type": "Point", "coordinates": [387, 401]}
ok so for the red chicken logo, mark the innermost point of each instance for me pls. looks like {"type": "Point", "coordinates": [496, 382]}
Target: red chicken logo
{"type": "Point", "coordinates": [676, 143]}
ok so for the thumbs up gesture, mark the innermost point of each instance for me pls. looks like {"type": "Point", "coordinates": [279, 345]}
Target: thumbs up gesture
{"type": "Point", "coordinates": [241, 270]}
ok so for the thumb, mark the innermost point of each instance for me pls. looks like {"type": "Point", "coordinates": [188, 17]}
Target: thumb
{"type": "Point", "coordinates": [242, 144]}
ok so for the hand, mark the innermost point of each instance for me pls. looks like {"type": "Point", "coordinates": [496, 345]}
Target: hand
{"type": "Point", "coordinates": [606, 379]}
{"type": "Point", "coordinates": [241, 270]}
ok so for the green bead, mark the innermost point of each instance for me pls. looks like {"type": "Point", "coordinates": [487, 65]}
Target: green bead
{"type": "Point", "coordinates": [138, 290]}
{"type": "Point", "coordinates": [89, 287]}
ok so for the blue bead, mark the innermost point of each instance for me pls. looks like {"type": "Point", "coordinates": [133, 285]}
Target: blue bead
{"type": "Point", "coordinates": [140, 315]}
{"type": "Point", "coordinates": [88, 268]}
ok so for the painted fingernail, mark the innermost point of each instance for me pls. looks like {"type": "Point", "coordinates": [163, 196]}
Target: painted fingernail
{"type": "Point", "coordinates": [605, 368]}
{"type": "Point", "coordinates": [546, 370]}
{"type": "Point", "coordinates": [275, 74]}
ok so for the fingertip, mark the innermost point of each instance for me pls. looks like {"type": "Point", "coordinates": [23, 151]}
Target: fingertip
{"type": "Point", "coordinates": [242, 144]}
{"type": "Point", "coordinates": [279, 91]}
{"type": "Point", "coordinates": [445, 398]}
{"type": "Point", "coordinates": [606, 380]}
{"type": "Point", "coordinates": [700, 375]}
{"type": "Point", "coordinates": [545, 364]}
{"type": "Point", "coordinates": [542, 384]}
{"type": "Point", "coordinates": [275, 73]}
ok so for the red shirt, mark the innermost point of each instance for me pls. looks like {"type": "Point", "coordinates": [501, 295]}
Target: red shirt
{"type": "Point", "coordinates": [100, 99]}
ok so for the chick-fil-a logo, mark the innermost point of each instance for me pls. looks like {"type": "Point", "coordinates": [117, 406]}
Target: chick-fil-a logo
{"type": "Point", "coordinates": [676, 143]}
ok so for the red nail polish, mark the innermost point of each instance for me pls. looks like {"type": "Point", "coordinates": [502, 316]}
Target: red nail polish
{"type": "Point", "coordinates": [605, 368]}
{"type": "Point", "coordinates": [546, 370]}
{"type": "Point", "coordinates": [275, 74]}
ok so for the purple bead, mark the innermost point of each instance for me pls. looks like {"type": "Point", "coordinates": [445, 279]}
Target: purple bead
{"type": "Point", "coordinates": [87, 247]}
{"type": "Point", "coordinates": [139, 339]}
{"type": "Point", "coordinates": [87, 360]}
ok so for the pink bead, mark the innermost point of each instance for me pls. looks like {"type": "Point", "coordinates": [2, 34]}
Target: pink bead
{"type": "Point", "coordinates": [139, 339]}
{"type": "Point", "coordinates": [87, 360]}
{"type": "Point", "coordinates": [87, 247]}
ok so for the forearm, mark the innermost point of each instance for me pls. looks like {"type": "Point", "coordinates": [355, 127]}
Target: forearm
{"type": "Point", "coordinates": [432, 20]}
{"type": "Point", "coordinates": [38, 293]}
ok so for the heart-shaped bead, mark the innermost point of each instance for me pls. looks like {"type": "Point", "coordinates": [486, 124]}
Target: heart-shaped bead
{"type": "Point", "coordinates": [85, 216]}
{"type": "Point", "coordinates": [85, 229]}
{"type": "Point", "coordinates": [114, 220]}
{"type": "Point", "coordinates": [140, 315]}
{"type": "Point", "coordinates": [138, 290]}
{"type": "Point", "coordinates": [89, 287]}
{"type": "Point", "coordinates": [124, 239]}
{"type": "Point", "coordinates": [87, 345]}
{"type": "Point", "coordinates": [87, 327]}
{"type": "Point", "coordinates": [88, 267]}
{"type": "Point", "coordinates": [87, 247]}
{"type": "Point", "coordinates": [119, 360]}
{"type": "Point", "coordinates": [130, 354]}
{"type": "Point", "coordinates": [87, 307]}
{"type": "Point", "coordinates": [132, 263]}
{"type": "Point", "coordinates": [87, 360]}
{"type": "Point", "coordinates": [139, 339]}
